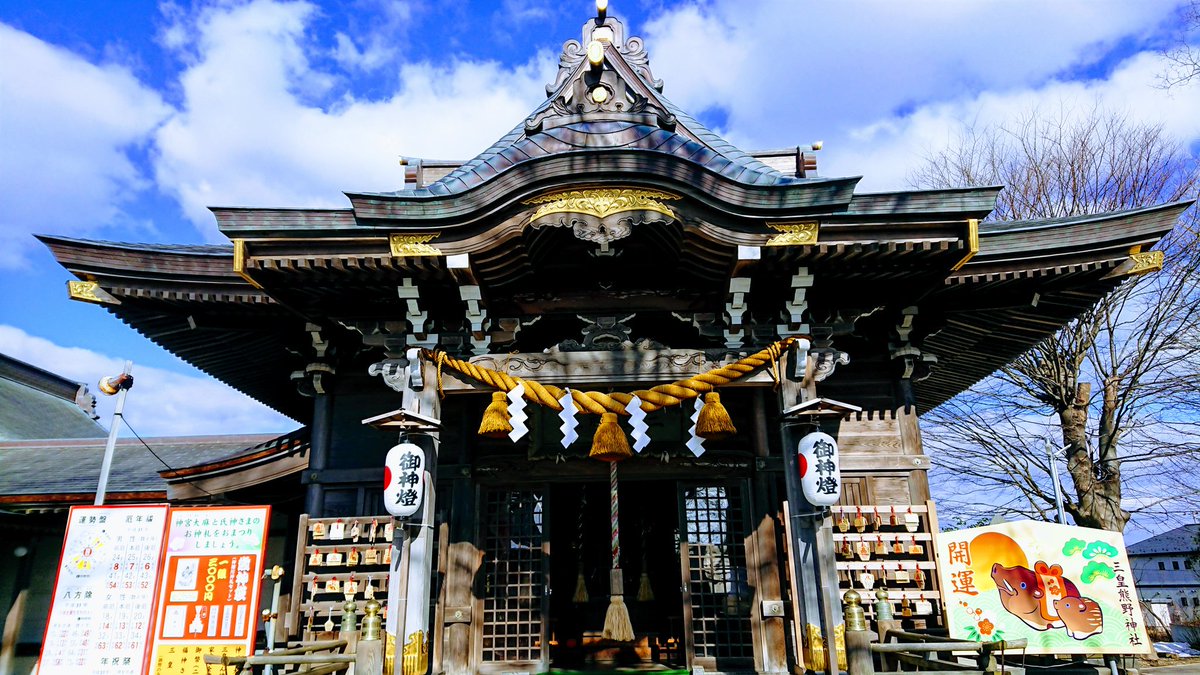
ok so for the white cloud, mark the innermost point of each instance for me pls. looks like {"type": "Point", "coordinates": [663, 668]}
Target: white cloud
{"type": "Point", "coordinates": [162, 403]}
{"type": "Point", "coordinates": [790, 72]}
{"type": "Point", "coordinates": [887, 150]}
{"type": "Point", "coordinates": [249, 134]}
{"type": "Point", "coordinates": [66, 129]}
{"type": "Point", "coordinates": [886, 83]}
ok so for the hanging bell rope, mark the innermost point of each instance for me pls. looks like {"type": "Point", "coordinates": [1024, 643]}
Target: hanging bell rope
{"type": "Point", "coordinates": [581, 591]}
{"type": "Point", "coordinates": [595, 402]}
{"type": "Point", "coordinates": [617, 626]}
{"type": "Point", "coordinates": [645, 592]}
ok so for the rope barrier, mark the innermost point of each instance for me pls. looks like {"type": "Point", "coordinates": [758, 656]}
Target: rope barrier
{"type": "Point", "coordinates": [595, 402]}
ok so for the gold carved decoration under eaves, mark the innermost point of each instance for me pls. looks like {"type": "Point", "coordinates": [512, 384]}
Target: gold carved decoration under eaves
{"type": "Point", "coordinates": [1147, 261]}
{"type": "Point", "coordinates": [602, 202]}
{"type": "Point", "coordinates": [794, 234]}
{"type": "Point", "coordinates": [90, 291]}
{"type": "Point", "coordinates": [410, 245]}
{"type": "Point", "coordinates": [601, 215]}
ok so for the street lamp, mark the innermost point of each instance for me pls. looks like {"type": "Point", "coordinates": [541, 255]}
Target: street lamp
{"type": "Point", "coordinates": [120, 386]}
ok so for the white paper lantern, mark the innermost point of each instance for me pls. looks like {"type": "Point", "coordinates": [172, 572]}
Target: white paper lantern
{"type": "Point", "coordinates": [404, 480]}
{"type": "Point", "coordinates": [820, 470]}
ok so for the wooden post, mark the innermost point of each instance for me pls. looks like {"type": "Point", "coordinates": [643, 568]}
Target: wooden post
{"type": "Point", "coordinates": [858, 639]}
{"type": "Point", "coordinates": [368, 656]}
{"type": "Point", "coordinates": [885, 623]}
{"type": "Point", "coordinates": [802, 533]}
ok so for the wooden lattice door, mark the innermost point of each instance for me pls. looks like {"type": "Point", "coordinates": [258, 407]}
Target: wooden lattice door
{"type": "Point", "coordinates": [718, 597]}
{"type": "Point", "coordinates": [513, 532]}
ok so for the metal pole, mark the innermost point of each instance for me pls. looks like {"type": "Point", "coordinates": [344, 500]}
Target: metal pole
{"type": "Point", "coordinates": [111, 446]}
{"type": "Point", "coordinates": [1058, 495]}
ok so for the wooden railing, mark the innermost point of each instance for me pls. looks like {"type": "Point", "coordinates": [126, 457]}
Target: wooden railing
{"type": "Point", "coordinates": [364, 651]}
{"type": "Point", "coordinates": [929, 654]}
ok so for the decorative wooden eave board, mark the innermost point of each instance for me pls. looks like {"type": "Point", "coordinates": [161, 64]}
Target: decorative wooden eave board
{"type": "Point", "coordinates": [185, 294]}
{"type": "Point", "coordinates": [202, 263]}
{"type": "Point", "coordinates": [1106, 231]}
{"type": "Point", "coordinates": [60, 502]}
{"type": "Point", "coordinates": [997, 274]}
{"type": "Point", "coordinates": [259, 223]}
{"type": "Point", "coordinates": [934, 254]}
{"type": "Point", "coordinates": [971, 202]}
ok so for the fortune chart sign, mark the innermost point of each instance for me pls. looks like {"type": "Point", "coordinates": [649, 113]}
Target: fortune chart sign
{"type": "Point", "coordinates": [100, 617]}
{"type": "Point", "coordinates": [1067, 590]}
{"type": "Point", "coordinates": [208, 600]}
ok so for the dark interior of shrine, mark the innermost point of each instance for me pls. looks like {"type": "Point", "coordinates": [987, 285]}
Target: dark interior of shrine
{"type": "Point", "coordinates": [581, 549]}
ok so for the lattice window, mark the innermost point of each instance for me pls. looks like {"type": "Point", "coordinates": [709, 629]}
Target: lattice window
{"type": "Point", "coordinates": [515, 575]}
{"type": "Point", "coordinates": [721, 596]}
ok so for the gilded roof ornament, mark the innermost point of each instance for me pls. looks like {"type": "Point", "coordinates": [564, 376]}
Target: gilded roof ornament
{"type": "Point", "coordinates": [90, 291]}
{"type": "Point", "coordinates": [794, 234]}
{"type": "Point", "coordinates": [601, 215]}
{"type": "Point", "coordinates": [412, 245]}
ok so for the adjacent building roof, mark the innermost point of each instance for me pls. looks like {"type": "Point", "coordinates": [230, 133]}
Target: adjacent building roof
{"type": "Point", "coordinates": [35, 403]}
{"type": "Point", "coordinates": [1181, 540]}
{"type": "Point", "coordinates": [54, 473]}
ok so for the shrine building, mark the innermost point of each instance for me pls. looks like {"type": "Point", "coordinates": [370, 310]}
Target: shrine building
{"type": "Point", "coordinates": [608, 255]}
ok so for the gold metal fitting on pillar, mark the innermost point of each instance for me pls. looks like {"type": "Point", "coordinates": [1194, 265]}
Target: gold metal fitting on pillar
{"type": "Point", "coordinates": [372, 622]}
{"type": "Point", "coordinates": [349, 618]}
{"type": "Point", "coordinates": [883, 606]}
{"type": "Point", "coordinates": [856, 618]}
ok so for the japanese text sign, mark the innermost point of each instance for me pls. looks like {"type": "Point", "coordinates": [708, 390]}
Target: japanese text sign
{"type": "Point", "coordinates": [404, 480]}
{"type": "Point", "coordinates": [208, 601]}
{"type": "Point", "coordinates": [1067, 590]}
{"type": "Point", "coordinates": [100, 616]}
{"type": "Point", "coordinates": [820, 471]}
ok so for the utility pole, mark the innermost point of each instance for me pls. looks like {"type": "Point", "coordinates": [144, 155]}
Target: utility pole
{"type": "Point", "coordinates": [119, 385]}
{"type": "Point", "coordinates": [1058, 495]}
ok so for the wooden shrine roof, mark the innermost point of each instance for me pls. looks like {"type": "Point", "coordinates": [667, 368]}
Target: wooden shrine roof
{"type": "Point", "coordinates": [1026, 280]}
{"type": "Point", "coordinates": [249, 314]}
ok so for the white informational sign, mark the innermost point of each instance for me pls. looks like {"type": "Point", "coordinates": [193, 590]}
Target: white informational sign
{"type": "Point", "coordinates": [404, 480]}
{"type": "Point", "coordinates": [820, 471]}
{"type": "Point", "coordinates": [208, 601]}
{"type": "Point", "coordinates": [101, 611]}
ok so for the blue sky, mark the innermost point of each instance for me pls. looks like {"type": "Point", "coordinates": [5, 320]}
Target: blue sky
{"type": "Point", "coordinates": [125, 120]}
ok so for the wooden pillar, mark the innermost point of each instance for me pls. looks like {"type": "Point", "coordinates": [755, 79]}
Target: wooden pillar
{"type": "Point", "coordinates": [802, 528]}
{"type": "Point", "coordinates": [462, 560]}
{"type": "Point", "coordinates": [811, 531]}
{"type": "Point", "coordinates": [321, 436]}
{"type": "Point", "coordinates": [413, 547]}
{"type": "Point", "coordinates": [770, 633]}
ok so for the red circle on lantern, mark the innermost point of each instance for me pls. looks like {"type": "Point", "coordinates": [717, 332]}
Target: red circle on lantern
{"type": "Point", "coordinates": [803, 465]}
{"type": "Point", "coordinates": [387, 477]}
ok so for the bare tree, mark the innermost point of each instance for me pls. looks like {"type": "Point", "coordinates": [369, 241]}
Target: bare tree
{"type": "Point", "coordinates": [1118, 384]}
{"type": "Point", "coordinates": [1183, 55]}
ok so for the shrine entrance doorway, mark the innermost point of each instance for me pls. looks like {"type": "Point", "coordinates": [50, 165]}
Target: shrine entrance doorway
{"type": "Point", "coordinates": [545, 587]}
{"type": "Point", "coordinates": [650, 562]}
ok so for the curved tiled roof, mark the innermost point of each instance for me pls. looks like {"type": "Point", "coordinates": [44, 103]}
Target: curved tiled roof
{"type": "Point", "coordinates": [686, 138]}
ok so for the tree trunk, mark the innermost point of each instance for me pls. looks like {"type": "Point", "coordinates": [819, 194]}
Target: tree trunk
{"type": "Point", "coordinates": [1097, 487]}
